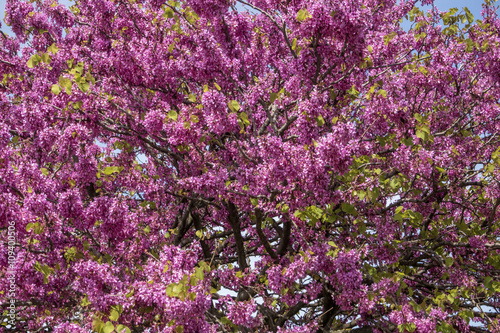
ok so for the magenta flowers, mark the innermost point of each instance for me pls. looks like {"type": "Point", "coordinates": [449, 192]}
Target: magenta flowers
{"type": "Point", "coordinates": [249, 166]}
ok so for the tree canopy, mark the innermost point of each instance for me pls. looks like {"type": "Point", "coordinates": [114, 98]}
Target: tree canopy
{"type": "Point", "coordinates": [250, 166]}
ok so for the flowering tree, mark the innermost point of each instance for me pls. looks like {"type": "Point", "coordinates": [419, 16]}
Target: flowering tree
{"type": "Point", "coordinates": [292, 166]}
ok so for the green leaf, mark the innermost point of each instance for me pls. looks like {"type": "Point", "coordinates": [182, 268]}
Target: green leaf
{"type": "Point", "coordinates": [395, 183]}
{"type": "Point", "coordinates": [46, 58]}
{"type": "Point", "coordinates": [448, 261]}
{"type": "Point", "coordinates": [114, 315]}
{"type": "Point", "coordinates": [389, 37]}
{"type": "Point", "coordinates": [89, 77]}
{"type": "Point", "coordinates": [56, 89]}
{"type": "Point", "coordinates": [97, 324]}
{"type": "Point", "coordinates": [469, 45]}
{"type": "Point", "coordinates": [352, 91]}
{"type": "Point", "coordinates": [302, 15]}
{"type": "Point", "coordinates": [234, 106]}
{"type": "Point", "coordinates": [398, 217]}
{"type": "Point", "coordinates": [421, 135]}
{"type": "Point", "coordinates": [217, 86]}
{"type": "Point", "coordinates": [468, 14]}
{"type": "Point", "coordinates": [84, 86]}
{"type": "Point", "coordinates": [172, 114]}
{"type": "Point", "coordinates": [467, 315]}
{"type": "Point", "coordinates": [273, 96]}
{"type": "Point", "coordinates": [120, 328]}
{"type": "Point", "coordinates": [320, 121]}
{"type": "Point", "coordinates": [77, 105]}
{"type": "Point", "coordinates": [110, 170]}
{"type": "Point", "coordinates": [108, 327]}
{"type": "Point", "coordinates": [445, 328]}
{"type": "Point", "coordinates": [484, 46]}
{"type": "Point", "coordinates": [37, 228]}
{"type": "Point", "coordinates": [66, 84]}
{"type": "Point", "coordinates": [348, 208]}
{"type": "Point", "coordinates": [177, 289]}
{"type": "Point", "coordinates": [29, 226]}
{"type": "Point", "coordinates": [375, 194]}
{"type": "Point", "coordinates": [408, 141]}
{"type": "Point", "coordinates": [254, 201]}
{"type": "Point", "coordinates": [53, 48]}
{"type": "Point", "coordinates": [169, 13]}
{"type": "Point", "coordinates": [424, 133]}
{"type": "Point", "coordinates": [382, 92]}
{"type": "Point", "coordinates": [147, 230]}
{"type": "Point", "coordinates": [170, 290]}
{"type": "Point", "coordinates": [423, 70]}
{"type": "Point", "coordinates": [285, 208]}
{"type": "Point", "coordinates": [34, 60]}
{"type": "Point", "coordinates": [441, 170]}
{"type": "Point", "coordinates": [44, 171]}
{"type": "Point", "coordinates": [199, 273]}
{"type": "Point", "coordinates": [361, 194]}
{"type": "Point", "coordinates": [85, 301]}
{"type": "Point", "coordinates": [130, 293]}
{"type": "Point", "coordinates": [244, 118]}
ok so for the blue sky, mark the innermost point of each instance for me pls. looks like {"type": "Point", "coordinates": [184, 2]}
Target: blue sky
{"type": "Point", "coordinates": [473, 5]}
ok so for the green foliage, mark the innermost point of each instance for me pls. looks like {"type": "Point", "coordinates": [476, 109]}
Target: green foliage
{"type": "Point", "coordinates": [302, 15]}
